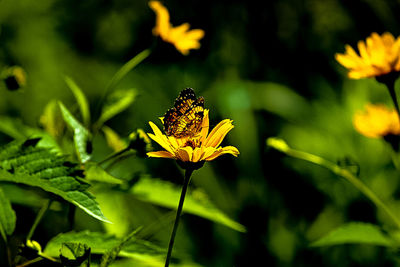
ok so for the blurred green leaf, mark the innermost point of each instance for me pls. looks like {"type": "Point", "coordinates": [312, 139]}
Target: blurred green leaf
{"type": "Point", "coordinates": [81, 99]}
{"type": "Point", "coordinates": [101, 242]}
{"type": "Point", "coordinates": [51, 119]}
{"type": "Point", "coordinates": [278, 99]}
{"type": "Point", "coordinates": [356, 233]}
{"type": "Point", "coordinates": [7, 216]}
{"type": "Point", "coordinates": [115, 103]}
{"type": "Point", "coordinates": [96, 173]}
{"type": "Point", "coordinates": [81, 134]}
{"type": "Point", "coordinates": [127, 67]}
{"type": "Point", "coordinates": [75, 254]}
{"type": "Point", "coordinates": [167, 195]}
{"type": "Point", "coordinates": [24, 195]}
{"type": "Point", "coordinates": [113, 139]}
{"type": "Point", "coordinates": [22, 162]}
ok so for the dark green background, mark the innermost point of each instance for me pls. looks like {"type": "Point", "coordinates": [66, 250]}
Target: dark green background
{"type": "Point", "coordinates": [267, 65]}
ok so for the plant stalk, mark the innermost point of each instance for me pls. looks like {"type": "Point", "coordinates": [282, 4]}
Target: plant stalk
{"type": "Point", "coordinates": [188, 174]}
{"type": "Point", "coordinates": [392, 92]}
{"type": "Point", "coordinates": [38, 218]}
{"type": "Point", "coordinates": [357, 183]}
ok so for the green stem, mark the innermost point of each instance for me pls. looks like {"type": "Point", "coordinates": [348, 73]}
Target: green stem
{"type": "Point", "coordinates": [392, 92]}
{"type": "Point", "coordinates": [114, 155]}
{"type": "Point", "coordinates": [30, 262]}
{"type": "Point", "coordinates": [357, 183]}
{"type": "Point", "coordinates": [38, 218]}
{"type": "Point", "coordinates": [188, 174]}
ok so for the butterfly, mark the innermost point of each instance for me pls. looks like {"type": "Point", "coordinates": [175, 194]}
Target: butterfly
{"type": "Point", "coordinates": [185, 118]}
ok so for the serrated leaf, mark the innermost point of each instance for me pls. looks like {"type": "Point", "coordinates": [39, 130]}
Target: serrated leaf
{"type": "Point", "coordinates": [94, 172]}
{"type": "Point", "coordinates": [7, 216]}
{"type": "Point", "coordinates": [116, 102]}
{"type": "Point", "coordinates": [167, 195]}
{"type": "Point", "coordinates": [81, 134]}
{"type": "Point", "coordinates": [355, 233]}
{"type": "Point", "coordinates": [100, 243]}
{"type": "Point", "coordinates": [23, 162]}
{"type": "Point", "coordinates": [81, 99]}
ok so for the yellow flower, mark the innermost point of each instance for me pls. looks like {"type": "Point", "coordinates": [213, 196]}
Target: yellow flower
{"type": "Point", "coordinates": [379, 55]}
{"type": "Point", "coordinates": [181, 37]}
{"type": "Point", "coordinates": [377, 121]}
{"type": "Point", "coordinates": [202, 147]}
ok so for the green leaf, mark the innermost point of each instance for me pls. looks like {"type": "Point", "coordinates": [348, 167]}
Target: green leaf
{"type": "Point", "coordinates": [12, 127]}
{"type": "Point", "coordinates": [116, 102]}
{"type": "Point", "coordinates": [7, 216]}
{"type": "Point", "coordinates": [167, 195]}
{"type": "Point", "coordinates": [23, 162]}
{"type": "Point", "coordinates": [81, 134]}
{"type": "Point", "coordinates": [81, 99]}
{"type": "Point", "coordinates": [100, 243]}
{"type": "Point", "coordinates": [75, 254]}
{"type": "Point", "coordinates": [94, 172]}
{"type": "Point", "coordinates": [51, 119]}
{"type": "Point", "coordinates": [15, 128]}
{"type": "Point", "coordinates": [355, 233]}
{"type": "Point", "coordinates": [113, 139]}
{"type": "Point", "coordinates": [127, 67]}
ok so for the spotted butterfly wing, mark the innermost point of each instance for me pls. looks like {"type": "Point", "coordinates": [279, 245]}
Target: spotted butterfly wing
{"type": "Point", "coordinates": [185, 118]}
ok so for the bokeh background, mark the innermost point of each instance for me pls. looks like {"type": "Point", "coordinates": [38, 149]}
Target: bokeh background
{"type": "Point", "coordinates": [269, 66]}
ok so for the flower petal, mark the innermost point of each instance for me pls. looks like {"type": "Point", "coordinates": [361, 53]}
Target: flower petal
{"type": "Point", "coordinates": [224, 150]}
{"type": "Point", "coordinates": [161, 154]}
{"type": "Point", "coordinates": [185, 153]}
{"type": "Point", "coordinates": [161, 139]}
{"type": "Point", "coordinates": [216, 136]}
{"type": "Point", "coordinates": [163, 25]}
{"type": "Point", "coordinates": [205, 126]}
{"type": "Point", "coordinates": [197, 154]}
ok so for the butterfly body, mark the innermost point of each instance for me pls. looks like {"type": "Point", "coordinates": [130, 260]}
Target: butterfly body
{"type": "Point", "coordinates": [185, 118]}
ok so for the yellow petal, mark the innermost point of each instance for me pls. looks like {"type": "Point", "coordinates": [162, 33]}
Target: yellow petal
{"type": "Point", "coordinates": [160, 138]}
{"type": "Point", "coordinates": [216, 136]}
{"type": "Point", "coordinates": [161, 154]}
{"type": "Point", "coordinates": [197, 153]}
{"type": "Point", "coordinates": [185, 153]}
{"type": "Point", "coordinates": [221, 151]}
{"type": "Point", "coordinates": [205, 125]}
{"type": "Point", "coordinates": [163, 25]}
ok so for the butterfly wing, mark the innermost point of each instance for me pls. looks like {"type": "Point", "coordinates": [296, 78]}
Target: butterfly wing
{"type": "Point", "coordinates": [185, 118]}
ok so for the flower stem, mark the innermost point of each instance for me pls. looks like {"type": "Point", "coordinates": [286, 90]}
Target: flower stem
{"type": "Point", "coordinates": [392, 93]}
{"type": "Point", "coordinates": [188, 174]}
{"type": "Point", "coordinates": [357, 183]}
{"type": "Point", "coordinates": [38, 218]}
{"type": "Point", "coordinates": [114, 155]}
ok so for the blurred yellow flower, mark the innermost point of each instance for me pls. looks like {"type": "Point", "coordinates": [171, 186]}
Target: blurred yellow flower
{"type": "Point", "coordinates": [202, 147]}
{"type": "Point", "coordinates": [181, 37]}
{"type": "Point", "coordinates": [377, 121]}
{"type": "Point", "coordinates": [379, 55]}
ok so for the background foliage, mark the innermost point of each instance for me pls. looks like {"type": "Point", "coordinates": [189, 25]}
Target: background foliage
{"type": "Point", "coordinates": [268, 66]}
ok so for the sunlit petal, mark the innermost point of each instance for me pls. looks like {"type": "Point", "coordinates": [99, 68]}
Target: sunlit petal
{"type": "Point", "coordinates": [218, 133]}
{"type": "Point", "coordinates": [161, 154]}
{"type": "Point", "coordinates": [379, 55]}
{"type": "Point", "coordinates": [377, 121]}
